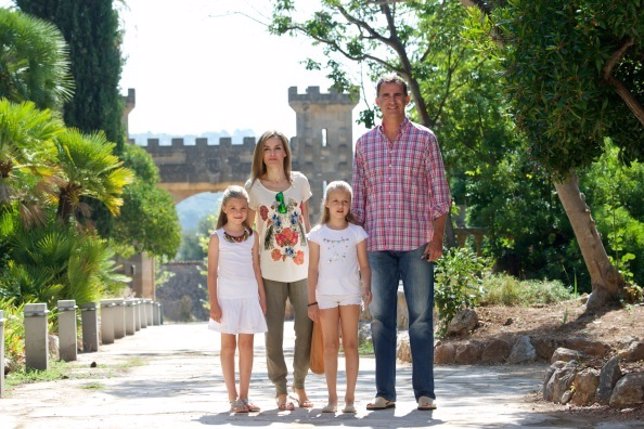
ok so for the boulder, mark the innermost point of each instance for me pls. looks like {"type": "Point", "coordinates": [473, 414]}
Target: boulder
{"type": "Point", "coordinates": [403, 349]}
{"type": "Point", "coordinates": [633, 353]}
{"type": "Point", "coordinates": [629, 391]}
{"type": "Point", "coordinates": [463, 322]}
{"type": "Point", "coordinates": [592, 348]}
{"type": "Point", "coordinates": [585, 386]}
{"type": "Point", "coordinates": [522, 351]}
{"type": "Point", "coordinates": [566, 355]}
{"type": "Point", "coordinates": [496, 351]}
{"type": "Point", "coordinates": [444, 353]}
{"type": "Point", "coordinates": [468, 353]}
{"type": "Point", "coordinates": [608, 377]}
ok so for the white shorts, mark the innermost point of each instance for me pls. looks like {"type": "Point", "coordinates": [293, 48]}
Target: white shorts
{"type": "Point", "coordinates": [334, 301]}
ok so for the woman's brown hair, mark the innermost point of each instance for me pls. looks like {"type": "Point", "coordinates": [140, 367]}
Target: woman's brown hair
{"type": "Point", "coordinates": [258, 168]}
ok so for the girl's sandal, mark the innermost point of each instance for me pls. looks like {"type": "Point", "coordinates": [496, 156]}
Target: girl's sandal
{"type": "Point", "coordinates": [302, 403]}
{"type": "Point", "coordinates": [252, 408]}
{"type": "Point", "coordinates": [238, 407]}
{"type": "Point", "coordinates": [330, 408]}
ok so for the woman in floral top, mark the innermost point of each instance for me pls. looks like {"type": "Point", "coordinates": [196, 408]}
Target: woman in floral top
{"type": "Point", "coordinates": [279, 206]}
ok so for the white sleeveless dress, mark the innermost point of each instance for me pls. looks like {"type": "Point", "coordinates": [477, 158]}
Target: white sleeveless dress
{"type": "Point", "coordinates": [237, 289]}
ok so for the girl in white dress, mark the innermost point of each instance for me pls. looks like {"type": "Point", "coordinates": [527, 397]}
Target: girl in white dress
{"type": "Point", "coordinates": [236, 291]}
{"type": "Point", "coordinates": [339, 279]}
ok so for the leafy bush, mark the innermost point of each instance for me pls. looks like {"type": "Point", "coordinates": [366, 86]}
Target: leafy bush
{"type": "Point", "coordinates": [458, 283]}
{"type": "Point", "coordinates": [14, 330]}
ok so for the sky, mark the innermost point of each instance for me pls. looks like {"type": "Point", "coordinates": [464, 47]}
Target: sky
{"type": "Point", "coordinates": [209, 66]}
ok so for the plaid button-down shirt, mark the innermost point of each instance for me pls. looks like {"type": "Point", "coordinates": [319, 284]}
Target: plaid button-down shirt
{"type": "Point", "coordinates": [399, 187]}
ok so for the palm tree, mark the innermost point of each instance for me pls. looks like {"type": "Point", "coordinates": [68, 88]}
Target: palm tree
{"type": "Point", "coordinates": [33, 61]}
{"type": "Point", "coordinates": [88, 168]}
{"type": "Point", "coordinates": [26, 149]}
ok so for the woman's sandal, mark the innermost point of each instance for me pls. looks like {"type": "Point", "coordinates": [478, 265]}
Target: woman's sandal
{"type": "Point", "coordinates": [238, 407]}
{"type": "Point", "coordinates": [304, 403]}
{"type": "Point", "coordinates": [283, 404]}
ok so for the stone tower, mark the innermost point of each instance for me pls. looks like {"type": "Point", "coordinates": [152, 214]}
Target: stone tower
{"type": "Point", "coordinates": [323, 146]}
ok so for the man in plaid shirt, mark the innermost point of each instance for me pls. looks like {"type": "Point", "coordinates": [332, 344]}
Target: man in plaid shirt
{"type": "Point", "coordinates": [401, 197]}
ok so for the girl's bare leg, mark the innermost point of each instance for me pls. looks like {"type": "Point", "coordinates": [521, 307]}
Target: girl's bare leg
{"type": "Point", "coordinates": [245, 363]}
{"type": "Point", "coordinates": [329, 323]}
{"type": "Point", "coordinates": [349, 317]}
{"type": "Point", "coordinates": [227, 356]}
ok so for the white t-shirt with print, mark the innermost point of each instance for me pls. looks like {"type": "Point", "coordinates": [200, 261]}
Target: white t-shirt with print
{"type": "Point", "coordinates": [283, 249]}
{"type": "Point", "coordinates": [338, 269]}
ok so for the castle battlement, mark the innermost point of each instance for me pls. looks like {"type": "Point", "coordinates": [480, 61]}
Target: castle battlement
{"type": "Point", "coordinates": [314, 96]}
{"type": "Point", "coordinates": [153, 144]}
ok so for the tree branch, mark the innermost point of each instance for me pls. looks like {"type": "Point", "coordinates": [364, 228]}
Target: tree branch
{"type": "Point", "coordinates": [622, 91]}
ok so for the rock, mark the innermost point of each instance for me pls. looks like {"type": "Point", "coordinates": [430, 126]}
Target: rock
{"type": "Point", "coordinates": [633, 353]}
{"type": "Point", "coordinates": [629, 391]}
{"type": "Point", "coordinates": [566, 355]}
{"type": "Point", "coordinates": [608, 377]}
{"type": "Point", "coordinates": [54, 347]}
{"type": "Point", "coordinates": [593, 348]}
{"type": "Point", "coordinates": [403, 350]}
{"type": "Point", "coordinates": [364, 332]}
{"type": "Point", "coordinates": [464, 322]}
{"type": "Point", "coordinates": [522, 351]}
{"type": "Point", "coordinates": [468, 353]}
{"type": "Point", "coordinates": [547, 385]}
{"type": "Point", "coordinates": [444, 353]}
{"type": "Point", "coordinates": [508, 321]}
{"type": "Point", "coordinates": [496, 351]}
{"type": "Point", "coordinates": [544, 347]}
{"type": "Point", "coordinates": [560, 382]}
{"type": "Point", "coordinates": [585, 386]}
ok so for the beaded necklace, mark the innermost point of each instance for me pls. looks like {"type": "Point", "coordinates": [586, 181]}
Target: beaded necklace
{"type": "Point", "coordinates": [238, 238]}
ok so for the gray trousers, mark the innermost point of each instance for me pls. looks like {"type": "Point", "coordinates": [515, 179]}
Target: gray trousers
{"type": "Point", "coordinates": [276, 294]}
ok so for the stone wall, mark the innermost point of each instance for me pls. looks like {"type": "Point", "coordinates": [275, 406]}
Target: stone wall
{"type": "Point", "coordinates": [184, 295]}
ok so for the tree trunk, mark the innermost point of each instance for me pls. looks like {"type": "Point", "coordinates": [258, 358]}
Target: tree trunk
{"type": "Point", "coordinates": [605, 279]}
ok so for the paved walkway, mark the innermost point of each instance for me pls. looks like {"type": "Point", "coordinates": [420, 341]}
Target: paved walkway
{"type": "Point", "coordinates": [169, 377]}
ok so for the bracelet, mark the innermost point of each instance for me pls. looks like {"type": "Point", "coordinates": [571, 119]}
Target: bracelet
{"type": "Point", "coordinates": [312, 304]}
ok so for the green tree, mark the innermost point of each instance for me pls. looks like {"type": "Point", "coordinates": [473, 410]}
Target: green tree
{"type": "Point", "coordinates": [452, 84]}
{"type": "Point", "coordinates": [574, 77]}
{"type": "Point", "coordinates": [91, 30]}
{"type": "Point", "coordinates": [148, 219]}
{"type": "Point", "coordinates": [33, 61]}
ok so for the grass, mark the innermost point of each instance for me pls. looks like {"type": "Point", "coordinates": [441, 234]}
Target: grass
{"type": "Point", "coordinates": [507, 290]}
{"type": "Point", "coordinates": [56, 371]}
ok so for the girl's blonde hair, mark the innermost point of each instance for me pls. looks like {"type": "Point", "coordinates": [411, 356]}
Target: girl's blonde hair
{"type": "Point", "coordinates": [231, 192]}
{"type": "Point", "coordinates": [337, 185]}
{"type": "Point", "coordinates": [258, 168]}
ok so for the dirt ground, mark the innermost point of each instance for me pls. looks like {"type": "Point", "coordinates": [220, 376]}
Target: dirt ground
{"type": "Point", "coordinates": [615, 326]}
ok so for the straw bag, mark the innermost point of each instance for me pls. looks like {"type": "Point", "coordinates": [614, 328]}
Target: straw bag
{"type": "Point", "coordinates": [317, 349]}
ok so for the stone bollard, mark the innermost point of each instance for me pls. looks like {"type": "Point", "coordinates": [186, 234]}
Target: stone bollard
{"type": "Point", "coordinates": [130, 322]}
{"type": "Point", "coordinates": [144, 312]}
{"type": "Point", "coordinates": [107, 321]}
{"type": "Point", "coordinates": [36, 336]}
{"type": "Point", "coordinates": [137, 314]}
{"type": "Point", "coordinates": [119, 318]}
{"type": "Point", "coordinates": [67, 329]}
{"type": "Point", "coordinates": [150, 311]}
{"type": "Point", "coordinates": [89, 324]}
{"type": "Point", "coordinates": [157, 313]}
{"type": "Point", "coordinates": [1, 352]}
{"type": "Point", "coordinates": [161, 313]}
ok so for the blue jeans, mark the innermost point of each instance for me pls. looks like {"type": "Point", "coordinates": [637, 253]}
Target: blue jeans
{"type": "Point", "coordinates": [417, 275]}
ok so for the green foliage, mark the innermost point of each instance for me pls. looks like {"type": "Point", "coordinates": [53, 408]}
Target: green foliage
{"type": "Point", "coordinates": [457, 283]}
{"type": "Point", "coordinates": [91, 30]}
{"type": "Point", "coordinates": [556, 53]}
{"type": "Point", "coordinates": [51, 262]}
{"type": "Point", "coordinates": [88, 168]}
{"type": "Point", "coordinates": [34, 63]}
{"type": "Point", "coordinates": [615, 192]}
{"type": "Point", "coordinates": [503, 289]}
{"type": "Point", "coordinates": [145, 202]}
{"type": "Point", "coordinates": [194, 244]}
{"type": "Point", "coordinates": [14, 328]}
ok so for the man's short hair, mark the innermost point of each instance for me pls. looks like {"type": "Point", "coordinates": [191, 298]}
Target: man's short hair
{"type": "Point", "coordinates": [391, 78]}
